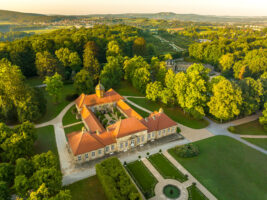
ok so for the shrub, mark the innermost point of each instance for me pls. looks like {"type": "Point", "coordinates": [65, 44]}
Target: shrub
{"type": "Point", "coordinates": [115, 181]}
{"type": "Point", "coordinates": [71, 97]}
{"type": "Point", "coordinates": [187, 150]}
{"type": "Point", "coordinates": [231, 129]}
{"type": "Point", "coordinates": [178, 130]}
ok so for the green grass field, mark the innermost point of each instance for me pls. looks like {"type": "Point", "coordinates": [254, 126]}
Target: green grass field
{"type": "Point", "coordinates": [166, 168]}
{"type": "Point", "coordinates": [34, 81]}
{"type": "Point", "coordinates": [228, 168]}
{"type": "Point", "coordinates": [53, 109]}
{"type": "Point", "coordinates": [250, 128]}
{"type": "Point", "coordinates": [126, 89]}
{"type": "Point", "coordinates": [139, 111]}
{"type": "Point", "coordinates": [173, 112]}
{"type": "Point", "coordinates": [87, 189]}
{"type": "Point", "coordinates": [46, 141]}
{"type": "Point", "coordinates": [142, 177]}
{"type": "Point", "coordinates": [261, 142]}
{"type": "Point", "coordinates": [71, 129]}
{"type": "Point", "coordinates": [69, 117]}
{"type": "Point", "coordinates": [195, 194]}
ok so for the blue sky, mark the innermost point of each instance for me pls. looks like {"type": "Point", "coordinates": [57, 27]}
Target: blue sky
{"type": "Point", "coordinates": [212, 7]}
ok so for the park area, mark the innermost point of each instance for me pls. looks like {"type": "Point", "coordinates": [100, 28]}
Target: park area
{"type": "Point", "coordinates": [250, 128]}
{"type": "Point", "coordinates": [228, 168]}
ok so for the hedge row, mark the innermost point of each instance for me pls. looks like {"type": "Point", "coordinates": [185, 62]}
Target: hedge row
{"type": "Point", "coordinates": [115, 181]}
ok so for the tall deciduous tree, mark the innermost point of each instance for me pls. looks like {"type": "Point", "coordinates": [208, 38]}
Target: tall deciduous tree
{"type": "Point", "coordinates": [252, 92]}
{"type": "Point", "coordinates": [112, 73]}
{"type": "Point", "coordinates": [153, 90]}
{"type": "Point", "coordinates": [130, 65]}
{"type": "Point", "coordinates": [54, 86]}
{"type": "Point", "coordinates": [90, 61]}
{"type": "Point", "coordinates": [113, 49]}
{"type": "Point", "coordinates": [83, 82]}
{"type": "Point", "coordinates": [263, 118]}
{"type": "Point", "coordinates": [191, 89]}
{"type": "Point", "coordinates": [139, 46]}
{"type": "Point", "coordinates": [141, 78]}
{"type": "Point", "coordinates": [47, 64]}
{"type": "Point", "coordinates": [226, 100]}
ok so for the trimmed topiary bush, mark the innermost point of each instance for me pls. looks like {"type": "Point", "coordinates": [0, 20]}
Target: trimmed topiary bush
{"type": "Point", "coordinates": [178, 130]}
{"type": "Point", "coordinates": [187, 150]}
{"type": "Point", "coordinates": [231, 129]}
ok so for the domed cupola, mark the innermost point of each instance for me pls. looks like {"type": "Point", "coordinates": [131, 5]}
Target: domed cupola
{"type": "Point", "coordinates": [100, 90]}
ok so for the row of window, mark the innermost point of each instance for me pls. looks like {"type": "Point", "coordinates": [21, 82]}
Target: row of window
{"type": "Point", "coordinates": [126, 143]}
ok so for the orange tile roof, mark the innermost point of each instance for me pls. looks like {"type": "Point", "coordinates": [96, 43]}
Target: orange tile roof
{"type": "Point", "coordinates": [128, 110]}
{"type": "Point", "coordinates": [91, 100]}
{"type": "Point", "coordinates": [81, 143]}
{"type": "Point", "coordinates": [158, 121]}
{"type": "Point", "coordinates": [105, 138]}
{"type": "Point", "coordinates": [127, 127]}
{"type": "Point", "coordinates": [91, 120]}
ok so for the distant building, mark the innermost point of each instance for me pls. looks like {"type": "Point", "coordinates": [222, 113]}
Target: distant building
{"type": "Point", "coordinates": [131, 130]}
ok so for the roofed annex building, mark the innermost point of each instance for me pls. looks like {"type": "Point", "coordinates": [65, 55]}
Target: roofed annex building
{"type": "Point", "coordinates": [111, 125]}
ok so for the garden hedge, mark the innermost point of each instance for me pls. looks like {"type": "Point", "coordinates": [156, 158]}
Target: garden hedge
{"type": "Point", "coordinates": [115, 181]}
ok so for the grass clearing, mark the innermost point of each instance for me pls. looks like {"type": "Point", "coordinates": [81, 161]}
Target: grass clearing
{"type": "Point", "coordinates": [139, 111]}
{"type": "Point", "coordinates": [69, 117]}
{"type": "Point", "coordinates": [166, 168]}
{"type": "Point", "coordinates": [34, 81]}
{"type": "Point", "coordinates": [87, 189]}
{"type": "Point", "coordinates": [46, 140]}
{"type": "Point", "coordinates": [142, 177]}
{"type": "Point", "coordinates": [261, 142]}
{"type": "Point", "coordinates": [126, 89]}
{"type": "Point", "coordinates": [229, 169]}
{"type": "Point", "coordinates": [195, 194]}
{"type": "Point", "coordinates": [53, 109]}
{"type": "Point", "coordinates": [173, 112]}
{"type": "Point", "coordinates": [250, 128]}
{"type": "Point", "coordinates": [77, 127]}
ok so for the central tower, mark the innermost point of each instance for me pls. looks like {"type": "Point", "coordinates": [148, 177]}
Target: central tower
{"type": "Point", "coordinates": [100, 90]}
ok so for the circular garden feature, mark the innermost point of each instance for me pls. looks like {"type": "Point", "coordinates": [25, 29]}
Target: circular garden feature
{"type": "Point", "coordinates": [171, 191]}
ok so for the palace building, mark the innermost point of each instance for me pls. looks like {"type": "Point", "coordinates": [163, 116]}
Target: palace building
{"type": "Point", "coordinates": [111, 125]}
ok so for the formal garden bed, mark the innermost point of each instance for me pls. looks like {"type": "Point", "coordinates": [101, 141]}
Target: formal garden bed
{"type": "Point", "coordinates": [108, 115]}
{"type": "Point", "coordinates": [142, 177]}
{"type": "Point", "coordinates": [166, 168]}
{"type": "Point", "coordinates": [226, 166]}
{"type": "Point", "coordinates": [250, 128]}
{"type": "Point", "coordinates": [195, 194]}
{"type": "Point", "coordinates": [173, 112]}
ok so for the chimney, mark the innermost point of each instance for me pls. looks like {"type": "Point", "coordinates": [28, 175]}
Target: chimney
{"type": "Point", "coordinates": [161, 110]}
{"type": "Point", "coordinates": [153, 117]}
{"type": "Point", "coordinates": [146, 119]}
{"type": "Point", "coordinates": [107, 129]}
{"type": "Point", "coordinates": [97, 132]}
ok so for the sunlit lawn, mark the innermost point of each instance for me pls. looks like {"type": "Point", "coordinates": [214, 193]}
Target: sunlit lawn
{"type": "Point", "coordinates": [173, 112]}
{"type": "Point", "coordinates": [250, 128]}
{"type": "Point", "coordinates": [126, 89]}
{"type": "Point", "coordinates": [195, 194]}
{"type": "Point", "coordinates": [71, 129]}
{"type": "Point", "coordinates": [261, 142]}
{"type": "Point", "coordinates": [228, 168]}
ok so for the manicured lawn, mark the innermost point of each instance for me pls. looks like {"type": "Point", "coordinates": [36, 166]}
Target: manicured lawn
{"type": "Point", "coordinates": [71, 129]}
{"type": "Point", "coordinates": [166, 168]}
{"type": "Point", "coordinates": [126, 89]}
{"type": "Point", "coordinates": [228, 168]}
{"type": "Point", "coordinates": [195, 194]}
{"type": "Point", "coordinates": [53, 109]}
{"type": "Point", "coordinates": [261, 142]}
{"type": "Point", "coordinates": [139, 111]}
{"type": "Point", "coordinates": [174, 112]}
{"type": "Point", "coordinates": [46, 140]}
{"type": "Point", "coordinates": [250, 128]}
{"type": "Point", "coordinates": [69, 117]}
{"type": "Point", "coordinates": [142, 177]}
{"type": "Point", "coordinates": [87, 189]}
